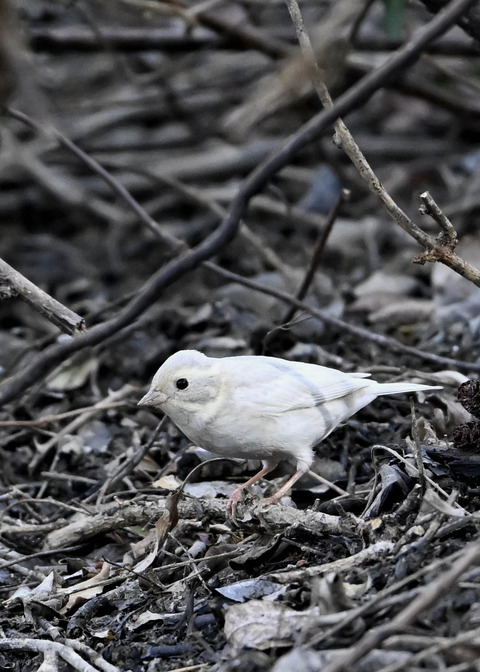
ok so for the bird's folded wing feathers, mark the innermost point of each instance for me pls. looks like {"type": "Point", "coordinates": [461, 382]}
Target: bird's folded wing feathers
{"type": "Point", "coordinates": [278, 389]}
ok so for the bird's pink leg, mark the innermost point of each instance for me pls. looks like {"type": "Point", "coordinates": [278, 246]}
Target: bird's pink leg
{"type": "Point", "coordinates": [238, 493]}
{"type": "Point", "coordinates": [274, 499]}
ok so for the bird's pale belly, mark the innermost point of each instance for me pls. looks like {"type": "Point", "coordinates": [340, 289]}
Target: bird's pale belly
{"type": "Point", "coordinates": [236, 438]}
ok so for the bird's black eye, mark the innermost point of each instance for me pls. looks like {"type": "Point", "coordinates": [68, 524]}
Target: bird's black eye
{"type": "Point", "coordinates": [182, 383]}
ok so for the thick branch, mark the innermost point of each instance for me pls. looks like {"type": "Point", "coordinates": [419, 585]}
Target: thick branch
{"type": "Point", "coordinates": [114, 517]}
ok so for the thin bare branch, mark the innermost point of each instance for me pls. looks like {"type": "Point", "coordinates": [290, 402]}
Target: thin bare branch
{"type": "Point", "coordinates": [61, 316]}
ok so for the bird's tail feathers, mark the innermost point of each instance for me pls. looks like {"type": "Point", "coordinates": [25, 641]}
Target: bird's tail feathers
{"type": "Point", "coordinates": [400, 388]}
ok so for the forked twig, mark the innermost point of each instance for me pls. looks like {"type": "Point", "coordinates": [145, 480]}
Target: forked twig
{"type": "Point", "coordinates": [440, 249]}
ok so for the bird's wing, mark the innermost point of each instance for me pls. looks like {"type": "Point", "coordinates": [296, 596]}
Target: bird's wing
{"type": "Point", "coordinates": [277, 386]}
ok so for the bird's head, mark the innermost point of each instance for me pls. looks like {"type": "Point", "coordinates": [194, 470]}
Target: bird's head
{"type": "Point", "coordinates": [187, 380]}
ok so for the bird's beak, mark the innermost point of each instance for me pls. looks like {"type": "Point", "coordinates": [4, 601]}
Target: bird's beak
{"type": "Point", "coordinates": [153, 398]}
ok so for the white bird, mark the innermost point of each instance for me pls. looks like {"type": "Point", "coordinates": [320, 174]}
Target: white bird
{"type": "Point", "coordinates": [261, 407]}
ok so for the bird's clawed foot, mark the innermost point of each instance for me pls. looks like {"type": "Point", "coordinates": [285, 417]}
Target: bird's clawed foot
{"type": "Point", "coordinates": [233, 502]}
{"type": "Point", "coordinates": [238, 495]}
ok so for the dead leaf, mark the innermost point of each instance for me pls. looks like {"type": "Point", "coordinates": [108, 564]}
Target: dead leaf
{"type": "Point", "coordinates": [85, 590]}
